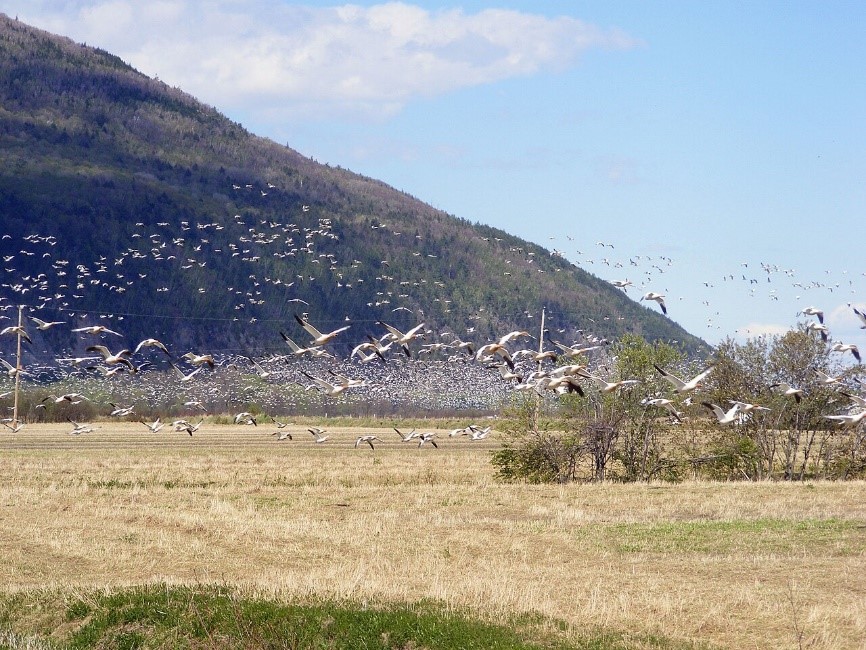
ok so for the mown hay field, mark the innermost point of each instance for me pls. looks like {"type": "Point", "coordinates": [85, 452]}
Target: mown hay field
{"type": "Point", "coordinates": [737, 565]}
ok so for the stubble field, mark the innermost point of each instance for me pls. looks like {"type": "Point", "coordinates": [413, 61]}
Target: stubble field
{"type": "Point", "coordinates": [736, 565]}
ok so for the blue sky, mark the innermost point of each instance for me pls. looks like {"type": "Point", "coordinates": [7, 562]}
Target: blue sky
{"type": "Point", "coordinates": [716, 148]}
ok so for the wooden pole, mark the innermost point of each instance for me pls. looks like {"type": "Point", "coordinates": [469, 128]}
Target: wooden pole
{"type": "Point", "coordinates": [18, 367]}
{"type": "Point", "coordinates": [535, 411]}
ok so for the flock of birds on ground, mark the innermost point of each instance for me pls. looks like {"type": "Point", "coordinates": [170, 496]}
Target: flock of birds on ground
{"type": "Point", "coordinates": [390, 367]}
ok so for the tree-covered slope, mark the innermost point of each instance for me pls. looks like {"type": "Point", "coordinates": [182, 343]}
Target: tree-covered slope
{"type": "Point", "coordinates": [123, 199]}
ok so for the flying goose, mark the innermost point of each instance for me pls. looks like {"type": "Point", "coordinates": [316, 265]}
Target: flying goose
{"type": "Point", "coordinates": [848, 420]}
{"type": "Point", "coordinates": [151, 343]}
{"type": "Point", "coordinates": [44, 325]}
{"type": "Point", "coordinates": [264, 374]}
{"type": "Point", "coordinates": [746, 407]}
{"type": "Point", "coordinates": [72, 398]}
{"type": "Point", "coordinates": [786, 389]}
{"type": "Point", "coordinates": [813, 311]}
{"type": "Point", "coordinates": [199, 359]}
{"type": "Point", "coordinates": [824, 378]}
{"type": "Point", "coordinates": [297, 350]}
{"type": "Point", "coordinates": [96, 329]}
{"type": "Point", "coordinates": [402, 339]}
{"type": "Point", "coordinates": [318, 337]}
{"type": "Point", "coordinates": [427, 437]}
{"type": "Point", "coordinates": [681, 386]}
{"type": "Point", "coordinates": [121, 411]}
{"type": "Point", "coordinates": [485, 352]}
{"type": "Point", "coordinates": [658, 297]}
{"type": "Point", "coordinates": [847, 347]}
{"type": "Point", "coordinates": [109, 358]}
{"type": "Point", "coordinates": [154, 426]}
{"type": "Point", "coordinates": [862, 318]}
{"type": "Point", "coordinates": [406, 437]}
{"type": "Point", "coordinates": [320, 435]}
{"type": "Point", "coordinates": [818, 327]}
{"type": "Point", "coordinates": [17, 330]}
{"type": "Point", "coordinates": [511, 336]}
{"type": "Point", "coordinates": [325, 387]}
{"type": "Point", "coordinates": [186, 377]}
{"type": "Point", "coordinates": [724, 417]}
{"type": "Point", "coordinates": [663, 403]}
{"type": "Point", "coordinates": [571, 350]}
{"type": "Point", "coordinates": [183, 425]}
{"type": "Point", "coordinates": [78, 429]}
{"type": "Point", "coordinates": [614, 386]}
{"type": "Point", "coordinates": [477, 433]}
{"type": "Point", "coordinates": [368, 439]}
{"type": "Point", "coordinates": [245, 418]}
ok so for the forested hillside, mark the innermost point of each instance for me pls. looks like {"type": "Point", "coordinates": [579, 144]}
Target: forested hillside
{"type": "Point", "coordinates": [125, 200]}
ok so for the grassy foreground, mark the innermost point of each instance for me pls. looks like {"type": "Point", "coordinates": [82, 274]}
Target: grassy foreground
{"type": "Point", "coordinates": [118, 538]}
{"type": "Point", "coordinates": [167, 617]}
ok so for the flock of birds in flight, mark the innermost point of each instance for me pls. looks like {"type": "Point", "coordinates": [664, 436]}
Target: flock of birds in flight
{"type": "Point", "coordinates": [529, 369]}
{"type": "Point", "coordinates": [561, 369]}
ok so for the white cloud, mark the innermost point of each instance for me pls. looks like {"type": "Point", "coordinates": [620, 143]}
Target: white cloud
{"type": "Point", "coordinates": [297, 59]}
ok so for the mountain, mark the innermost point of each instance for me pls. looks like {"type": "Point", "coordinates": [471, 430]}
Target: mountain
{"type": "Point", "coordinates": [128, 203]}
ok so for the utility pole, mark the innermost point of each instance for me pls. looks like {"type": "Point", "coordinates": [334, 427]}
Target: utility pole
{"type": "Point", "coordinates": [537, 409]}
{"type": "Point", "coordinates": [541, 335]}
{"type": "Point", "coordinates": [18, 367]}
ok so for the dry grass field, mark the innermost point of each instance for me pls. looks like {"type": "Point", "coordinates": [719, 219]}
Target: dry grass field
{"type": "Point", "coordinates": [736, 565]}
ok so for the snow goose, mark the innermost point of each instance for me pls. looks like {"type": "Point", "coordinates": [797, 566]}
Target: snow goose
{"type": "Point", "coordinates": [17, 330]}
{"type": "Point", "coordinates": [724, 417]}
{"type": "Point", "coordinates": [78, 429]}
{"type": "Point", "coordinates": [403, 339]}
{"type": "Point", "coordinates": [121, 411]}
{"type": "Point", "coordinates": [681, 386]}
{"type": "Point", "coordinates": [44, 325]}
{"type": "Point", "coordinates": [849, 419]}
{"type": "Point", "coordinates": [658, 297]}
{"type": "Point", "coordinates": [199, 359]}
{"type": "Point", "coordinates": [486, 352]}
{"type": "Point", "coordinates": [820, 328]}
{"type": "Point", "coordinates": [477, 433]}
{"type": "Point", "coordinates": [825, 379]}
{"type": "Point", "coordinates": [297, 350]}
{"type": "Point", "coordinates": [746, 407]}
{"type": "Point", "coordinates": [154, 426]}
{"type": "Point", "coordinates": [151, 343]}
{"type": "Point", "coordinates": [664, 403]}
{"type": "Point", "coordinates": [406, 437]}
{"type": "Point", "coordinates": [847, 347]}
{"type": "Point", "coordinates": [367, 439]}
{"type": "Point", "coordinates": [186, 377]}
{"type": "Point", "coordinates": [96, 329]}
{"type": "Point", "coordinates": [111, 359]}
{"type": "Point", "coordinates": [614, 386]}
{"type": "Point", "coordinates": [430, 437]}
{"type": "Point", "coordinates": [813, 311]}
{"type": "Point", "coordinates": [786, 389]}
{"type": "Point", "coordinates": [245, 418]}
{"type": "Point", "coordinates": [325, 387]}
{"type": "Point", "coordinates": [318, 337]}
{"type": "Point", "coordinates": [72, 398]}
{"type": "Point", "coordinates": [862, 318]}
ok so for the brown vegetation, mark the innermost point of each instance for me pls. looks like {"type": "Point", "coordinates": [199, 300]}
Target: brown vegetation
{"type": "Point", "coordinates": [734, 564]}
